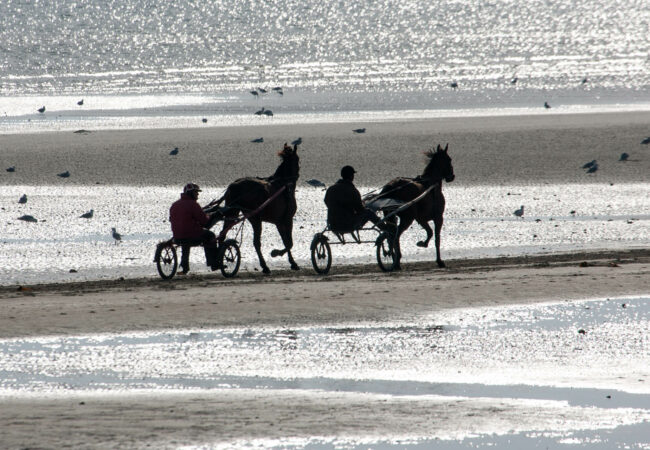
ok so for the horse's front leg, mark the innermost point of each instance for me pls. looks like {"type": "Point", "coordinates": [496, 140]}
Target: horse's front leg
{"type": "Point", "coordinates": [425, 243]}
{"type": "Point", "coordinates": [257, 243]}
{"type": "Point", "coordinates": [404, 223]}
{"type": "Point", "coordinates": [285, 232]}
{"type": "Point", "coordinates": [438, 226]}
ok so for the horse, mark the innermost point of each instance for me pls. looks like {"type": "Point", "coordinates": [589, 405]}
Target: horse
{"type": "Point", "coordinates": [430, 207]}
{"type": "Point", "coordinates": [247, 194]}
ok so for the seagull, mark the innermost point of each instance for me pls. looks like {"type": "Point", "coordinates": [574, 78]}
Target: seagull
{"type": "Point", "coordinates": [624, 157]}
{"type": "Point", "coordinates": [87, 215]}
{"type": "Point", "coordinates": [65, 174]}
{"type": "Point", "coordinates": [268, 112]}
{"type": "Point", "coordinates": [297, 141]}
{"type": "Point", "coordinates": [117, 236]}
{"type": "Point", "coordinates": [453, 85]}
{"type": "Point", "coordinates": [514, 80]}
{"type": "Point", "coordinates": [359, 130]}
{"type": "Point", "coordinates": [258, 140]}
{"type": "Point", "coordinates": [204, 120]}
{"type": "Point", "coordinates": [584, 80]}
{"type": "Point", "coordinates": [520, 212]}
{"type": "Point", "coordinates": [27, 218]}
{"type": "Point", "coordinates": [255, 93]}
{"type": "Point", "coordinates": [589, 164]}
{"type": "Point", "coordinates": [174, 152]}
{"type": "Point", "coordinates": [646, 141]}
{"type": "Point", "coordinates": [316, 183]}
{"type": "Point", "coordinates": [41, 109]}
{"type": "Point", "coordinates": [592, 169]}
{"type": "Point", "coordinates": [546, 105]}
{"type": "Point", "coordinates": [11, 169]}
{"type": "Point", "coordinates": [23, 199]}
{"type": "Point", "coordinates": [278, 90]}
{"type": "Point", "coordinates": [80, 102]}
{"type": "Point", "coordinates": [262, 91]}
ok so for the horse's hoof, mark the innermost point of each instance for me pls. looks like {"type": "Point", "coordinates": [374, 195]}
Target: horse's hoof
{"type": "Point", "coordinates": [266, 270]}
{"type": "Point", "coordinates": [441, 264]}
{"type": "Point", "coordinates": [275, 253]}
{"type": "Point", "coordinates": [422, 244]}
{"type": "Point", "coordinates": [295, 267]}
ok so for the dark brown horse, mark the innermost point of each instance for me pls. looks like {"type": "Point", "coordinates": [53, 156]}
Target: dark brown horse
{"type": "Point", "coordinates": [247, 194]}
{"type": "Point", "coordinates": [431, 206]}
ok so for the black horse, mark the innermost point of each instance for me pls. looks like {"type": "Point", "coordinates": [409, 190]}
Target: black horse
{"type": "Point", "coordinates": [431, 207]}
{"type": "Point", "coordinates": [248, 194]}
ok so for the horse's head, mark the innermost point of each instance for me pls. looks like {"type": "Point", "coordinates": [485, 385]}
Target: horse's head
{"type": "Point", "coordinates": [290, 161]}
{"type": "Point", "coordinates": [439, 166]}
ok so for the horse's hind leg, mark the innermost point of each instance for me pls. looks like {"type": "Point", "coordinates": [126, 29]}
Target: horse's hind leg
{"type": "Point", "coordinates": [257, 242]}
{"type": "Point", "coordinates": [287, 239]}
{"type": "Point", "coordinates": [438, 226]}
{"type": "Point", "coordinates": [425, 224]}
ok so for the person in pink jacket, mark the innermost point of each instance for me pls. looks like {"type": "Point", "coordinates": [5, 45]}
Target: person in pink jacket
{"type": "Point", "coordinates": [188, 221]}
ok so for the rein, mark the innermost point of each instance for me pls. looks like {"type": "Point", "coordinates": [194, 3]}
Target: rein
{"type": "Point", "coordinates": [368, 198]}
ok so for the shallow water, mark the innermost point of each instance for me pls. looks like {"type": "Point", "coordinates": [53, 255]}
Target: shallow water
{"type": "Point", "coordinates": [588, 354]}
{"type": "Point", "coordinates": [479, 221]}
{"type": "Point", "coordinates": [147, 64]}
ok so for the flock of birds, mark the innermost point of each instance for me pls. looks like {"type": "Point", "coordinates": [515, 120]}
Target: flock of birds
{"type": "Point", "coordinates": [87, 215]}
{"type": "Point", "coordinates": [589, 167]}
{"type": "Point", "coordinates": [454, 85]}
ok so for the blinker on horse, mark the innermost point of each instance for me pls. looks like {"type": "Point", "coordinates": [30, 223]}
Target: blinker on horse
{"type": "Point", "coordinates": [247, 194]}
{"type": "Point", "coordinates": [431, 207]}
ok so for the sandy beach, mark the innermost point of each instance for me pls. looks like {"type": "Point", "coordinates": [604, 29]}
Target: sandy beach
{"type": "Point", "coordinates": [486, 151]}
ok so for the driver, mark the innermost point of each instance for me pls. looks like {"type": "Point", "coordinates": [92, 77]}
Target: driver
{"type": "Point", "coordinates": [188, 221]}
{"type": "Point", "coordinates": [345, 210]}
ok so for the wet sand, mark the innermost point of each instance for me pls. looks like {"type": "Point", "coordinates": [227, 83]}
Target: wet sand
{"type": "Point", "coordinates": [526, 150]}
{"type": "Point", "coordinates": [485, 151]}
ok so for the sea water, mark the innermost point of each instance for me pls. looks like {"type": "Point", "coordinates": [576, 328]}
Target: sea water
{"type": "Point", "coordinates": [147, 64]}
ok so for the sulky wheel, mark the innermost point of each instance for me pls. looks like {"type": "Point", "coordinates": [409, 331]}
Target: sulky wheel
{"type": "Point", "coordinates": [321, 254]}
{"type": "Point", "coordinates": [386, 252]}
{"type": "Point", "coordinates": [166, 260]}
{"type": "Point", "coordinates": [229, 258]}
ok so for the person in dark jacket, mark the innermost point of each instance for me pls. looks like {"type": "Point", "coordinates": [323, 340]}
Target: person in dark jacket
{"type": "Point", "coordinates": [345, 210]}
{"type": "Point", "coordinates": [188, 221]}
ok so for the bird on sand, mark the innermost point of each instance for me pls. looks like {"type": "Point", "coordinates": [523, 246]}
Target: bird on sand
{"type": "Point", "coordinates": [88, 214]}
{"type": "Point", "coordinates": [11, 169]}
{"type": "Point", "coordinates": [519, 212]}
{"type": "Point", "coordinates": [28, 218]}
{"type": "Point", "coordinates": [453, 85]}
{"type": "Point", "coordinates": [315, 183]}
{"type": "Point", "coordinates": [297, 141]}
{"type": "Point", "coordinates": [65, 174]}
{"type": "Point", "coordinates": [117, 236]}
{"type": "Point", "coordinates": [593, 168]}
{"type": "Point", "coordinates": [359, 130]}
{"type": "Point", "coordinates": [261, 90]}
{"type": "Point", "coordinates": [174, 152]}
{"type": "Point", "coordinates": [258, 140]}
{"type": "Point", "coordinates": [255, 93]}
{"type": "Point", "coordinates": [264, 111]}
{"type": "Point", "coordinates": [80, 102]}
{"type": "Point", "coordinates": [624, 156]}
{"type": "Point", "coordinates": [204, 120]}
{"type": "Point", "coordinates": [514, 80]}
{"type": "Point", "coordinates": [278, 90]}
{"type": "Point", "coordinates": [23, 199]}
{"type": "Point", "coordinates": [546, 105]}
{"type": "Point", "coordinates": [589, 164]}
{"type": "Point", "coordinates": [41, 109]}
{"type": "Point", "coordinates": [646, 141]}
